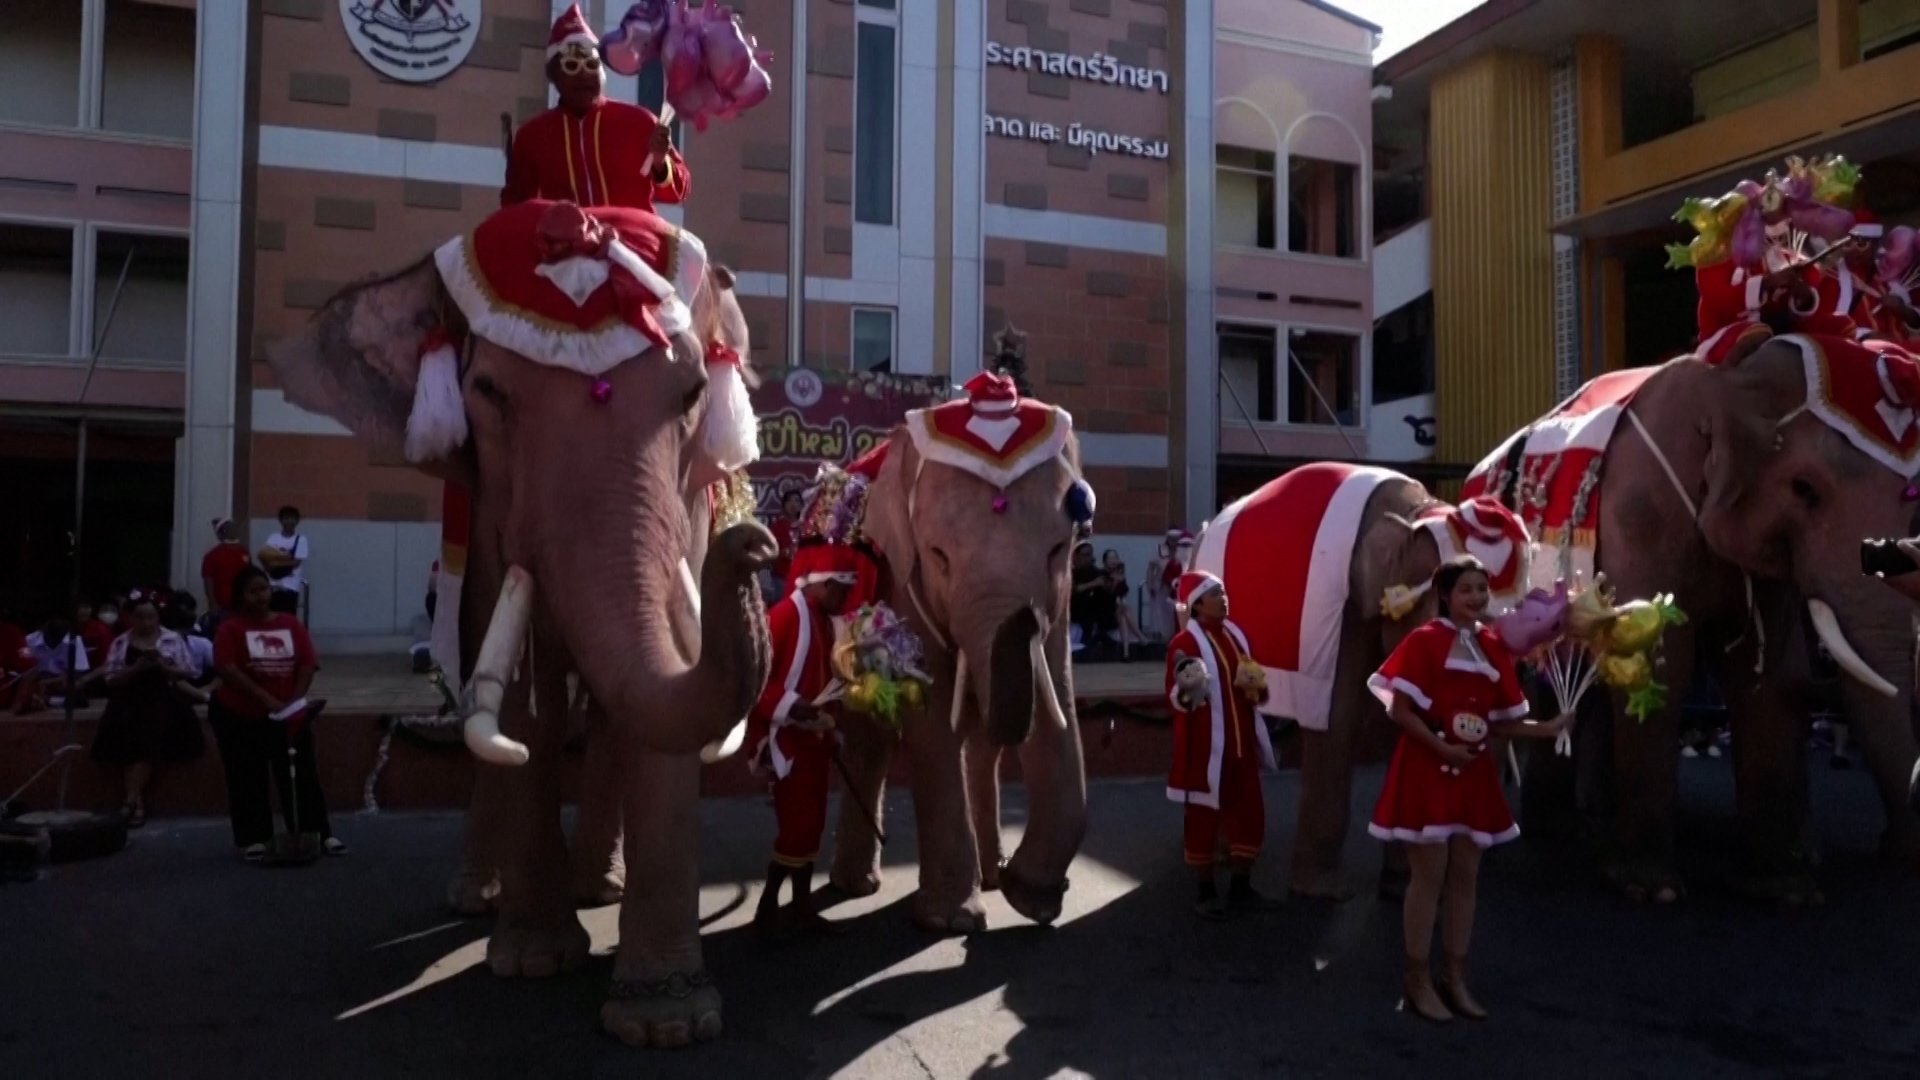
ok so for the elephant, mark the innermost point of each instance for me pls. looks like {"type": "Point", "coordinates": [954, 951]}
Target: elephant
{"type": "Point", "coordinates": [1746, 492]}
{"type": "Point", "coordinates": [589, 517]}
{"type": "Point", "coordinates": [1361, 535]}
{"type": "Point", "coordinates": [980, 574]}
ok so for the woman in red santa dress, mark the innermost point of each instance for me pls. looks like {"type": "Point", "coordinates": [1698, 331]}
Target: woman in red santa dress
{"type": "Point", "coordinates": [1451, 686]}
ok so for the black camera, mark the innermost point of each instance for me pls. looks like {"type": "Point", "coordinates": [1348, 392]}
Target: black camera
{"type": "Point", "coordinates": [1883, 558]}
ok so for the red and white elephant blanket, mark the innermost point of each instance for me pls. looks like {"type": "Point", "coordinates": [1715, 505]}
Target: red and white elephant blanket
{"type": "Point", "coordinates": [1550, 473]}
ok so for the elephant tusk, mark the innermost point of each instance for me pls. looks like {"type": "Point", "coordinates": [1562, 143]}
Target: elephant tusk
{"type": "Point", "coordinates": [725, 748]}
{"type": "Point", "coordinates": [691, 588]}
{"type": "Point", "coordinates": [1828, 627]}
{"type": "Point", "coordinates": [499, 650]}
{"type": "Point", "coordinates": [959, 689]}
{"type": "Point", "coordinates": [1045, 674]}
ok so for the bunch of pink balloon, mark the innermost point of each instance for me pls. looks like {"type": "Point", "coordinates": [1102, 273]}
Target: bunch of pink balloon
{"type": "Point", "coordinates": [713, 69]}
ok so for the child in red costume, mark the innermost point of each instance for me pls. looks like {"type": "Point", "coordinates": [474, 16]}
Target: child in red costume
{"type": "Point", "coordinates": [789, 735]}
{"type": "Point", "coordinates": [1219, 745]}
{"type": "Point", "coordinates": [591, 150]}
{"type": "Point", "coordinates": [1451, 686]}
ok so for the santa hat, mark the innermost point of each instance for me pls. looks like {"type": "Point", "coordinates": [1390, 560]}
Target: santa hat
{"type": "Point", "coordinates": [819, 562]}
{"type": "Point", "coordinates": [1195, 584]}
{"type": "Point", "coordinates": [1484, 518]}
{"type": "Point", "coordinates": [1866, 225]}
{"type": "Point", "coordinates": [570, 29]}
{"type": "Point", "coordinates": [992, 393]}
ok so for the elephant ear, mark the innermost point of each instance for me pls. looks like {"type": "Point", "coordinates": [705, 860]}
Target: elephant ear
{"type": "Point", "coordinates": [358, 359]}
{"type": "Point", "coordinates": [1741, 436]}
{"type": "Point", "coordinates": [886, 522]}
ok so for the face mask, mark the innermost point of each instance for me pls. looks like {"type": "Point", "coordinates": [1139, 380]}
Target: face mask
{"type": "Point", "coordinates": [110, 617]}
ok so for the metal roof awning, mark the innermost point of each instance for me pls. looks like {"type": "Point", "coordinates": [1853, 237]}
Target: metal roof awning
{"type": "Point", "coordinates": [1887, 135]}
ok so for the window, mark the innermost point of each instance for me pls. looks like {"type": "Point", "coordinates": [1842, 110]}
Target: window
{"type": "Point", "coordinates": [651, 87]}
{"type": "Point", "coordinates": [1322, 210]}
{"type": "Point", "coordinates": [1243, 196]}
{"type": "Point", "coordinates": [873, 340]}
{"type": "Point", "coordinates": [1403, 352]}
{"type": "Point", "coordinates": [36, 290]}
{"type": "Point", "coordinates": [1247, 392]}
{"type": "Point", "coordinates": [149, 324]}
{"type": "Point", "coordinates": [888, 5]}
{"type": "Point", "coordinates": [873, 120]}
{"type": "Point", "coordinates": [146, 83]}
{"type": "Point", "coordinates": [1322, 387]}
{"type": "Point", "coordinates": [40, 45]}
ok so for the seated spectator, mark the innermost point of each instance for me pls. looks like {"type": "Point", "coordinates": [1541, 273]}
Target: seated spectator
{"type": "Point", "coordinates": [47, 682]}
{"type": "Point", "coordinates": [1116, 571]}
{"type": "Point", "coordinates": [147, 721]}
{"type": "Point", "coordinates": [1092, 607]}
{"type": "Point", "coordinates": [179, 617]}
{"type": "Point", "coordinates": [15, 660]}
{"type": "Point", "coordinates": [96, 631]}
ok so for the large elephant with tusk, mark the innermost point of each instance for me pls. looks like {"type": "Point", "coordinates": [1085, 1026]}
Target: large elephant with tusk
{"type": "Point", "coordinates": [975, 510]}
{"type": "Point", "coordinates": [1746, 490]}
{"type": "Point", "coordinates": [579, 371]}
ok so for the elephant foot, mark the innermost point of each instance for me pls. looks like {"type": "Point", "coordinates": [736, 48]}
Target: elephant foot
{"type": "Point", "coordinates": [535, 951]}
{"type": "Point", "coordinates": [1036, 903]}
{"type": "Point", "coordinates": [471, 894]}
{"type": "Point", "coordinates": [678, 1010]}
{"type": "Point", "coordinates": [1641, 883]}
{"type": "Point", "coordinates": [855, 881]}
{"type": "Point", "coordinates": [1790, 891]}
{"type": "Point", "coordinates": [1322, 884]}
{"type": "Point", "coordinates": [938, 916]}
{"type": "Point", "coordinates": [990, 874]}
{"type": "Point", "coordinates": [603, 889]}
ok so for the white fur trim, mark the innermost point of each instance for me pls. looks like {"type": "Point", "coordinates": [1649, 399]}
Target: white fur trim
{"type": "Point", "coordinates": [578, 277]}
{"type": "Point", "coordinates": [1754, 284]}
{"type": "Point", "coordinates": [1384, 689]}
{"type": "Point", "coordinates": [840, 576]}
{"type": "Point", "coordinates": [589, 353]}
{"type": "Point", "coordinates": [930, 448]}
{"type": "Point", "coordinates": [1440, 834]}
{"type": "Point", "coordinates": [438, 423]}
{"type": "Point", "coordinates": [558, 47]}
{"type": "Point", "coordinates": [731, 433]}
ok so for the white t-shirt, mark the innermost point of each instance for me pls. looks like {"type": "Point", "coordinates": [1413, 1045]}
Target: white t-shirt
{"type": "Point", "coordinates": [201, 649]}
{"type": "Point", "coordinates": [295, 545]}
{"type": "Point", "coordinates": [52, 659]}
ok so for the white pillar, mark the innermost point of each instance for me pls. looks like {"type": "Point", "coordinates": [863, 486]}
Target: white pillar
{"type": "Point", "coordinates": [969, 186]}
{"type": "Point", "coordinates": [1200, 346]}
{"type": "Point", "coordinates": [214, 349]}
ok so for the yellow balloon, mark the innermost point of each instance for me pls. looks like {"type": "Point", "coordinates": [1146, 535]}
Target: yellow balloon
{"type": "Point", "coordinates": [911, 695]}
{"type": "Point", "coordinates": [859, 698]}
{"type": "Point", "coordinates": [1637, 629]}
{"type": "Point", "coordinates": [1626, 671]}
{"type": "Point", "coordinates": [870, 683]}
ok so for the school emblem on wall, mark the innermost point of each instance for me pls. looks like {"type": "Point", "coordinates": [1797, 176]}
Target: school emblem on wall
{"type": "Point", "coordinates": [412, 40]}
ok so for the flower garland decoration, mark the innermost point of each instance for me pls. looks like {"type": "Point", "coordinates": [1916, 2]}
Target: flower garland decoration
{"type": "Point", "coordinates": [878, 660]}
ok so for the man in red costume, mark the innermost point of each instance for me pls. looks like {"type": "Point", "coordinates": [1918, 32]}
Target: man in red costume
{"type": "Point", "coordinates": [1219, 745]}
{"type": "Point", "coordinates": [790, 735]}
{"type": "Point", "coordinates": [1736, 300]}
{"type": "Point", "coordinates": [590, 150]}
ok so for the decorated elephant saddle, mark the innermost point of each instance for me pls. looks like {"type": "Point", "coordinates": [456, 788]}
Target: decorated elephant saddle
{"type": "Point", "coordinates": [992, 433]}
{"type": "Point", "coordinates": [571, 287]}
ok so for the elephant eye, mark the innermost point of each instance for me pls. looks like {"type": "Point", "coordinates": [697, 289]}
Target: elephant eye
{"type": "Point", "coordinates": [940, 557]}
{"type": "Point", "coordinates": [691, 401]}
{"type": "Point", "coordinates": [1804, 491]}
{"type": "Point", "coordinates": [489, 390]}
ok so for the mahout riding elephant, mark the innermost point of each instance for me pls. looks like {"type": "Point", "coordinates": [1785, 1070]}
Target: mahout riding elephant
{"type": "Point", "coordinates": [1745, 490]}
{"type": "Point", "coordinates": [976, 532]}
{"type": "Point", "coordinates": [579, 372]}
{"type": "Point", "coordinates": [1328, 568]}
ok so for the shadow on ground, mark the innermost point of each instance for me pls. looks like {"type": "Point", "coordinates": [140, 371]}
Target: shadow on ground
{"type": "Point", "coordinates": [175, 960]}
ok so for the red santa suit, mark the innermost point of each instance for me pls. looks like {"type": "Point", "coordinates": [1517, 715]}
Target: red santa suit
{"type": "Point", "coordinates": [1459, 682]}
{"type": "Point", "coordinates": [1219, 744]}
{"type": "Point", "coordinates": [597, 158]}
{"type": "Point", "coordinates": [800, 760]}
{"type": "Point", "coordinates": [1733, 299]}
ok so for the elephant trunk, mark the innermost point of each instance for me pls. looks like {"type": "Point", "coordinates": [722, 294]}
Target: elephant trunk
{"type": "Point", "coordinates": [1006, 681]}
{"type": "Point", "coordinates": [1034, 881]}
{"type": "Point", "coordinates": [615, 584]}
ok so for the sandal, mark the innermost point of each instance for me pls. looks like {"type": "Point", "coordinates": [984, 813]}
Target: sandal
{"type": "Point", "coordinates": [333, 845]}
{"type": "Point", "coordinates": [255, 853]}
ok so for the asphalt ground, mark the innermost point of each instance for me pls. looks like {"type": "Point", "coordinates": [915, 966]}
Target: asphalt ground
{"type": "Point", "coordinates": [174, 959]}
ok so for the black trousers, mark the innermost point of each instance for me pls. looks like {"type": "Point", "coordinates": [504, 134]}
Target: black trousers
{"type": "Point", "coordinates": [252, 747]}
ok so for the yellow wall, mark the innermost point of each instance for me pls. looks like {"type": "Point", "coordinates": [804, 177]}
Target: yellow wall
{"type": "Point", "coordinates": [1791, 61]}
{"type": "Point", "coordinates": [1492, 198]}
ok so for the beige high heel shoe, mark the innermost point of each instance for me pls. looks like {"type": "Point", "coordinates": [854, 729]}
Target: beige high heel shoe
{"type": "Point", "coordinates": [1453, 986]}
{"type": "Point", "coordinates": [1419, 996]}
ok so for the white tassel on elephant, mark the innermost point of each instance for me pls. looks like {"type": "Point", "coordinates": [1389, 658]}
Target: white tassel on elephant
{"type": "Point", "coordinates": [731, 435]}
{"type": "Point", "coordinates": [437, 425]}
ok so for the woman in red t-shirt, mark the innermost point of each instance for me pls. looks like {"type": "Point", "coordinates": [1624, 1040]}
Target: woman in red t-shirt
{"type": "Point", "coordinates": [266, 663]}
{"type": "Point", "coordinates": [219, 566]}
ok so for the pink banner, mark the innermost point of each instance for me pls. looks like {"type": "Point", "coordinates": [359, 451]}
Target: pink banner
{"type": "Point", "coordinates": [809, 416]}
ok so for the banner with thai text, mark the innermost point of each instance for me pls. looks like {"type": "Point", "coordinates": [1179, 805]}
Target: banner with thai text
{"type": "Point", "coordinates": [809, 416]}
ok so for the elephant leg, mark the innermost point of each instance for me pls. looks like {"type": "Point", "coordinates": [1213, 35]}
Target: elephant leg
{"type": "Point", "coordinates": [983, 801]}
{"type": "Point", "coordinates": [867, 752]}
{"type": "Point", "coordinates": [1053, 768]}
{"type": "Point", "coordinates": [1647, 757]}
{"type": "Point", "coordinates": [949, 896]}
{"type": "Point", "coordinates": [599, 869]}
{"type": "Point", "coordinates": [475, 884]}
{"type": "Point", "coordinates": [662, 995]}
{"type": "Point", "coordinates": [1777, 851]}
{"type": "Point", "coordinates": [537, 934]}
{"type": "Point", "coordinates": [1326, 769]}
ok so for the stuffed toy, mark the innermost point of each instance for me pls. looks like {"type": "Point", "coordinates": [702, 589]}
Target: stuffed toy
{"type": "Point", "coordinates": [1190, 682]}
{"type": "Point", "coordinates": [1251, 680]}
